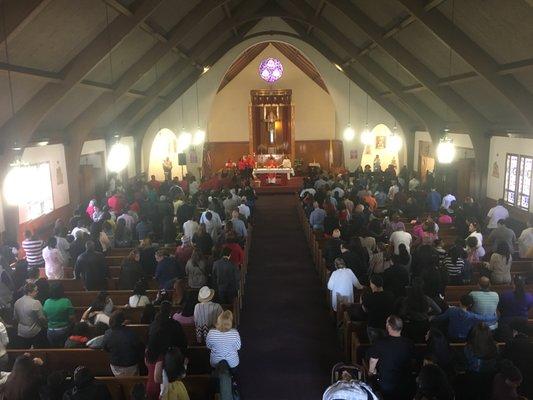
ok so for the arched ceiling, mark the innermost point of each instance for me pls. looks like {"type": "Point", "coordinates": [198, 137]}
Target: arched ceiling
{"type": "Point", "coordinates": [87, 68]}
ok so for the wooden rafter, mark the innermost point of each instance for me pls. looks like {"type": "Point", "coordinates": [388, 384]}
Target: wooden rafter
{"type": "Point", "coordinates": [85, 122]}
{"type": "Point", "coordinates": [23, 124]}
{"type": "Point", "coordinates": [18, 14]}
{"type": "Point", "coordinates": [475, 121]}
{"type": "Point", "coordinates": [474, 55]}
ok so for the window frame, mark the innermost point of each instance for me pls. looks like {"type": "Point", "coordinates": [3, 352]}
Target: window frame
{"type": "Point", "coordinates": [517, 190]}
{"type": "Point", "coordinates": [29, 204]}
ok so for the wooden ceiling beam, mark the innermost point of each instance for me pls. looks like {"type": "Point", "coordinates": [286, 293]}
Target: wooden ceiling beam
{"type": "Point", "coordinates": [84, 123]}
{"type": "Point", "coordinates": [241, 15]}
{"type": "Point", "coordinates": [425, 114]}
{"type": "Point", "coordinates": [124, 121]}
{"type": "Point", "coordinates": [400, 25]}
{"type": "Point", "coordinates": [318, 12]}
{"type": "Point", "coordinates": [473, 54]}
{"type": "Point", "coordinates": [227, 12]}
{"type": "Point", "coordinates": [17, 15]}
{"type": "Point", "coordinates": [142, 125]}
{"type": "Point", "coordinates": [406, 121]}
{"type": "Point", "coordinates": [464, 110]}
{"type": "Point", "coordinates": [24, 123]}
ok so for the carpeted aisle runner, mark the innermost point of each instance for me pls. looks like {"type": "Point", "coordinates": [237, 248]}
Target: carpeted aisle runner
{"type": "Point", "coordinates": [289, 341]}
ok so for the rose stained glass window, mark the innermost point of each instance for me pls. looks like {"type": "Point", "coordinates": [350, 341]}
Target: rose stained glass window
{"type": "Point", "coordinates": [270, 70]}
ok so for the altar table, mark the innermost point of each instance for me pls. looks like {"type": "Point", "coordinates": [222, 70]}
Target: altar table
{"type": "Point", "coordinates": [267, 171]}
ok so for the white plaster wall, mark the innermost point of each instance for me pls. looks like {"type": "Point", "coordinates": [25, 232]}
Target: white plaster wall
{"type": "Point", "coordinates": [499, 147]}
{"type": "Point", "coordinates": [93, 146]}
{"type": "Point", "coordinates": [336, 82]}
{"type": "Point", "coordinates": [2, 223]}
{"type": "Point", "coordinates": [314, 113]}
{"type": "Point", "coordinates": [460, 140]}
{"type": "Point", "coordinates": [55, 156]}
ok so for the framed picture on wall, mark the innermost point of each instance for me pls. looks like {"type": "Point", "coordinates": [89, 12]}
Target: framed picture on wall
{"type": "Point", "coordinates": [380, 142]}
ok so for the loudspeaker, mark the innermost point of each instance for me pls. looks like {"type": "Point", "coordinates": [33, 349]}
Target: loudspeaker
{"type": "Point", "coordinates": [182, 159]}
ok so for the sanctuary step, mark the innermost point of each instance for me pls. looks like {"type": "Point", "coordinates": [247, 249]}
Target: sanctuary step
{"type": "Point", "coordinates": [292, 186]}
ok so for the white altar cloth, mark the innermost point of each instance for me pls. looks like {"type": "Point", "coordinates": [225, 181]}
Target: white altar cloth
{"type": "Point", "coordinates": [288, 171]}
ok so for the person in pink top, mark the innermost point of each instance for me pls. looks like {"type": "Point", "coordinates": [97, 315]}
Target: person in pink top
{"type": "Point", "coordinates": [444, 219]}
{"type": "Point", "coordinates": [186, 315]}
{"type": "Point", "coordinates": [418, 228]}
{"type": "Point", "coordinates": [115, 203]}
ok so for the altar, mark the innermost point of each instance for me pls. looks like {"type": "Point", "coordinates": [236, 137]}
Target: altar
{"type": "Point", "coordinates": [288, 172]}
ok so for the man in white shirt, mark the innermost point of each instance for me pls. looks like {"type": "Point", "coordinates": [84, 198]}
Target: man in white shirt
{"type": "Point", "coordinates": [400, 236]}
{"type": "Point", "coordinates": [244, 210]}
{"type": "Point", "coordinates": [413, 184]}
{"type": "Point", "coordinates": [129, 221]}
{"type": "Point", "coordinates": [447, 201]}
{"type": "Point", "coordinates": [525, 241]}
{"type": "Point", "coordinates": [338, 190]}
{"type": "Point", "coordinates": [307, 190]}
{"type": "Point", "coordinates": [193, 187]}
{"type": "Point", "coordinates": [495, 214]}
{"type": "Point", "coordinates": [216, 218]}
{"type": "Point", "coordinates": [190, 227]}
{"type": "Point", "coordinates": [393, 190]}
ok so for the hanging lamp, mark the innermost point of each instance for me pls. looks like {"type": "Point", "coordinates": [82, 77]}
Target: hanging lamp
{"type": "Point", "coordinates": [349, 133]}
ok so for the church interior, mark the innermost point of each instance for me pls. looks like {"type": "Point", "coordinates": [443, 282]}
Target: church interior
{"type": "Point", "coordinates": [266, 199]}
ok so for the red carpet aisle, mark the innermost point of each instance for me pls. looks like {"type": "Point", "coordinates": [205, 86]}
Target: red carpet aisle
{"type": "Point", "coordinates": [289, 342]}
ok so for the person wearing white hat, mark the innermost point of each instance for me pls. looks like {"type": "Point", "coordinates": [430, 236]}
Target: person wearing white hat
{"type": "Point", "coordinates": [243, 208]}
{"type": "Point", "coordinates": [206, 313]}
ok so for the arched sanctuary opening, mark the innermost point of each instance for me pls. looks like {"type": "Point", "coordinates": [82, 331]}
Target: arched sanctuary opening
{"type": "Point", "coordinates": [279, 110]}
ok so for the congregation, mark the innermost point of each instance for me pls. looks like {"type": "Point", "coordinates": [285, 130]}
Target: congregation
{"type": "Point", "coordinates": [149, 276]}
{"type": "Point", "coordinates": [431, 294]}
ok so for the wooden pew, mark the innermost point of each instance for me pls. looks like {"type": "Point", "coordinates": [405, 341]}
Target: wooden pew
{"type": "Point", "coordinates": [142, 332]}
{"type": "Point", "coordinates": [113, 271]}
{"type": "Point", "coordinates": [199, 387]}
{"type": "Point", "coordinates": [98, 360]}
{"type": "Point", "coordinates": [120, 297]}
{"type": "Point", "coordinates": [454, 293]}
{"type": "Point", "coordinates": [358, 350]}
{"type": "Point", "coordinates": [133, 315]}
{"type": "Point", "coordinates": [72, 285]}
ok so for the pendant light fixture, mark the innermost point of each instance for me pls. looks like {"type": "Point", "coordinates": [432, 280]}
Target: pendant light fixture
{"type": "Point", "coordinates": [118, 158]}
{"type": "Point", "coordinates": [185, 138]}
{"type": "Point", "coordinates": [199, 135]}
{"type": "Point", "coordinates": [446, 148]}
{"type": "Point", "coordinates": [16, 183]}
{"type": "Point", "coordinates": [349, 133]}
{"type": "Point", "coordinates": [394, 141]}
{"type": "Point", "coordinates": [367, 137]}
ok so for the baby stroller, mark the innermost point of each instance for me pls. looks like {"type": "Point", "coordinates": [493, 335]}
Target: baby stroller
{"type": "Point", "coordinates": [350, 387]}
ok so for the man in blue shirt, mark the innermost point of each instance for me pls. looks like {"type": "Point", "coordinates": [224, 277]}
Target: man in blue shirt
{"type": "Point", "coordinates": [433, 200]}
{"type": "Point", "coordinates": [238, 225]}
{"type": "Point", "coordinates": [317, 216]}
{"type": "Point", "coordinates": [460, 320]}
{"type": "Point", "coordinates": [486, 301]}
{"type": "Point", "coordinates": [166, 270]}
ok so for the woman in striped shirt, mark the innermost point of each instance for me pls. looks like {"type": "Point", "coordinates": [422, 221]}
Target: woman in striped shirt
{"type": "Point", "coordinates": [224, 341]}
{"type": "Point", "coordinates": [33, 248]}
{"type": "Point", "coordinates": [454, 264]}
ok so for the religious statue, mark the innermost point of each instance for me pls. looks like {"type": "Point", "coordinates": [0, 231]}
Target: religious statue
{"type": "Point", "coordinates": [377, 164]}
{"type": "Point", "coordinates": [167, 169]}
